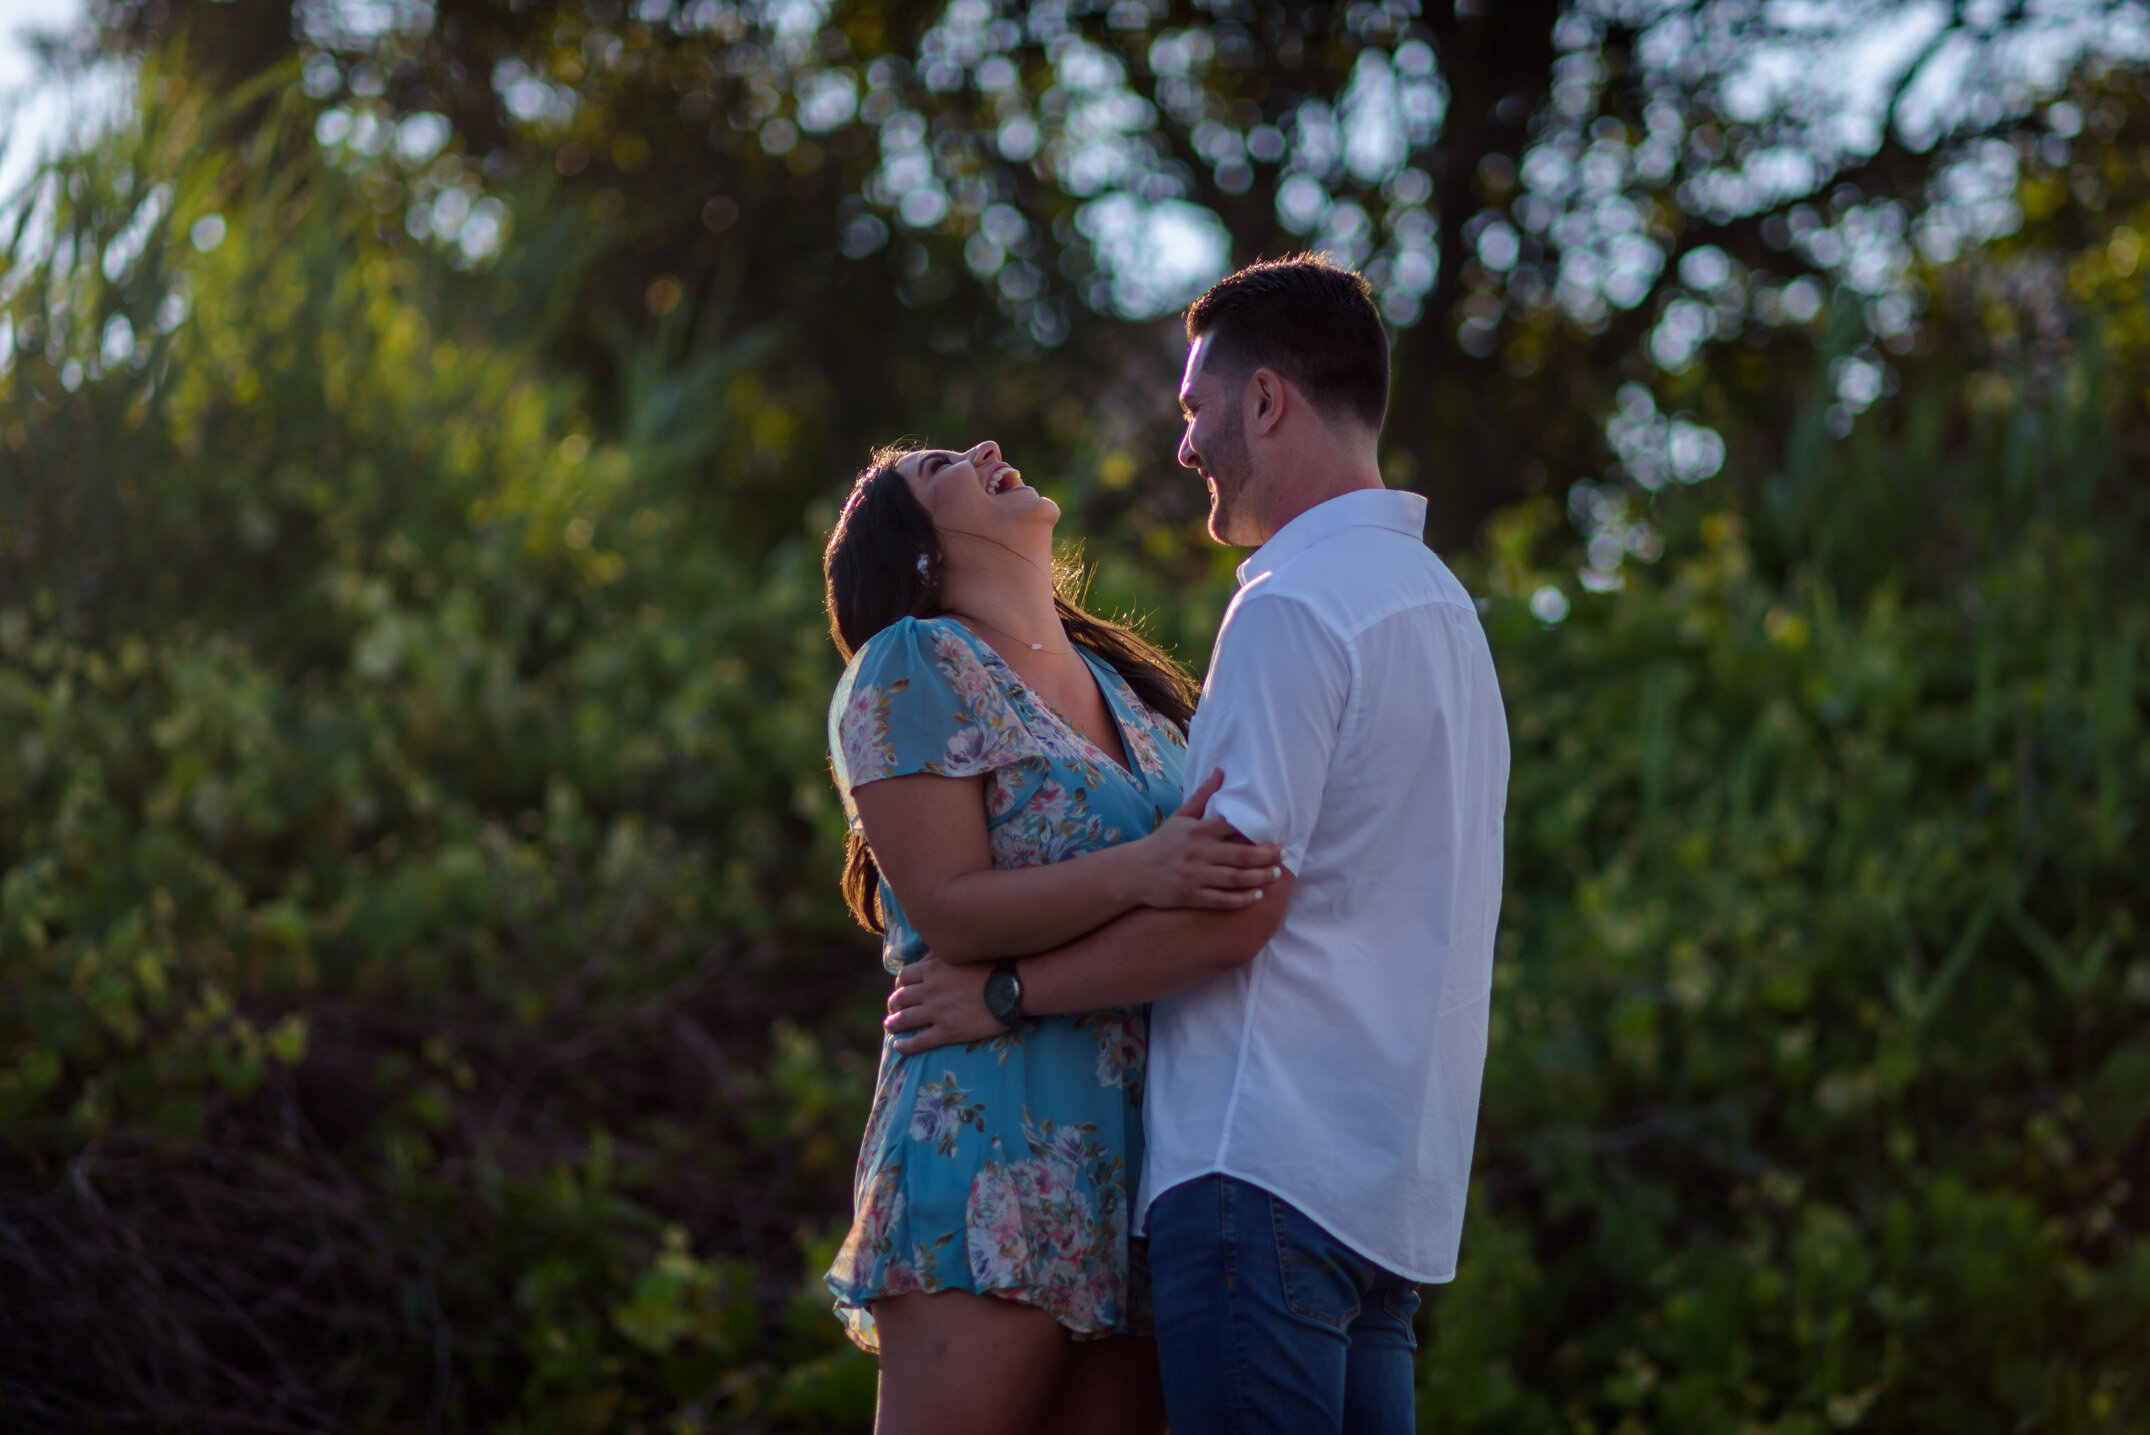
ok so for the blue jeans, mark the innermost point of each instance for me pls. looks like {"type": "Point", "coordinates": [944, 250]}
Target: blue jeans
{"type": "Point", "coordinates": [1266, 1322]}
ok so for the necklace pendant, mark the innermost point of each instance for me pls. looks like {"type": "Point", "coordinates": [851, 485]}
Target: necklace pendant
{"type": "Point", "coordinates": [1037, 647]}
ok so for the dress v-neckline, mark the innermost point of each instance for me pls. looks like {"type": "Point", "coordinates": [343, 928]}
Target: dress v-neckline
{"type": "Point", "coordinates": [1104, 693]}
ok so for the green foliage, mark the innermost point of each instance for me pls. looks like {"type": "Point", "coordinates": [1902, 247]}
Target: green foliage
{"type": "Point", "coordinates": [347, 670]}
{"type": "Point", "coordinates": [417, 913]}
{"type": "Point", "coordinates": [1817, 1097]}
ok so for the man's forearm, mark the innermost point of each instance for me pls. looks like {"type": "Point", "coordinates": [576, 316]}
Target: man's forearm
{"type": "Point", "coordinates": [1149, 953]}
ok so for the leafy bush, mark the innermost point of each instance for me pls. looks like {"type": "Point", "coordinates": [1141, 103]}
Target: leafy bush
{"type": "Point", "coordinates": [1819, 1096]}
{"type": "Point", "coordinates": [401, 783]}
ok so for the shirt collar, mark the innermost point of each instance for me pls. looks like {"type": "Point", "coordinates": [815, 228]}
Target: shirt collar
{"type": "Point", "coordinates": [1360, 508]}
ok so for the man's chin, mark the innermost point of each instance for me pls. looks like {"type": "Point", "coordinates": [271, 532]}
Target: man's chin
{"type": "Point", "coordinates": [1226, 529]}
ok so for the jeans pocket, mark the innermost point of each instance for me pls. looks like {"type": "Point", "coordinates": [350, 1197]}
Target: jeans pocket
{"type": "Point", "coordinates": [1321, 1279]}
{"type": "Point", "coordinates": [1399, 1301]}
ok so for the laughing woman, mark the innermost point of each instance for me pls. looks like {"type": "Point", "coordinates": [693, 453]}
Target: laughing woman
{"type": "Point", "coordinates": [1010, 769]}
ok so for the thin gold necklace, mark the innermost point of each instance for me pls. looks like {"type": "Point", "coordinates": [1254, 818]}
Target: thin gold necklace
{"type": "Point", "coordinates": [1034, 647]}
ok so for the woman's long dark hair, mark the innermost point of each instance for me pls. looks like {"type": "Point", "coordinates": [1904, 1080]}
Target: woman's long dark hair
{"type": "Point", "coordinates": [875, 578]}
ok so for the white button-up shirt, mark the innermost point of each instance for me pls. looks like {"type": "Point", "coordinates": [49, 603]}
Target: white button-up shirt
{"type": "Point", "coordinates": [1352, 703]}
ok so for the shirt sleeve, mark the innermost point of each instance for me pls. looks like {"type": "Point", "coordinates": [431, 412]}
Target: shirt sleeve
{"type": "Point", "coordinates": [916, 698]}
{"type": "Point", "coordinates": [1270, 713]}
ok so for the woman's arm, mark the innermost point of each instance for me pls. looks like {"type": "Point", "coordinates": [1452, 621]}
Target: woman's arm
{"type": "Point", "coordinates": [1134, 958]}
{"type": "Point", "coordinates": [928, 837]}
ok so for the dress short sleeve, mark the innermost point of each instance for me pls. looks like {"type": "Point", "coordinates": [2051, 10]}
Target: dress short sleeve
{"type": "Point", "coordinates": [917, 698]}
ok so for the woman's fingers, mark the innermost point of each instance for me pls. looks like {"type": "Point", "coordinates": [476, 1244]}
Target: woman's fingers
{"type": "Point", "coordinates": [1222, 837]}
{"type": "Point", "coordinates": [1199, 798]}
{"type": "Point", "coordinates": [1232, 879]}
{"type": "Point", "coordinates": [1236, 854]}
{"type": "Point", "coordinates": [1216, 899]}
{"type": "Point", "coordinates": [1234, 873]}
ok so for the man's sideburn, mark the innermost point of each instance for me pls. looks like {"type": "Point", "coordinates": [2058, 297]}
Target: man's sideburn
{"type": "Point", "coordinates": [1229, 462]}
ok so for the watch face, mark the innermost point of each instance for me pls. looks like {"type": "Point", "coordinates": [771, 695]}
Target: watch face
{"type": "Point", "coordinates": [1004, 996]}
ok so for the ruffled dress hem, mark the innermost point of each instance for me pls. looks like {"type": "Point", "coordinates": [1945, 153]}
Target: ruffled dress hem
{"type": "Point", "coordinates": [858, 1320]}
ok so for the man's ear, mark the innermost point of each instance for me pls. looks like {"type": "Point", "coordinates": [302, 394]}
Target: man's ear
{"type": "Point", "coordinates": [1265, 401]}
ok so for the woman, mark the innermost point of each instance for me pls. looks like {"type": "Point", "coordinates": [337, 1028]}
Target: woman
{"type": "Point", "coordinates": [1010, 768]}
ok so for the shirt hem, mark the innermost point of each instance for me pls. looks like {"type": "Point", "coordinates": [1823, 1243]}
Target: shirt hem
{"type": "Point", "coordinates": [1142, 1216]}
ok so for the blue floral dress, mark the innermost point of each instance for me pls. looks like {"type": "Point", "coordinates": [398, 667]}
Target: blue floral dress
{"type": "Point", "coordinates": [1005, 1166]}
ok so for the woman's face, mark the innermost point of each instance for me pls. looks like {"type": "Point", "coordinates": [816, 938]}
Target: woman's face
{"type": "Point", "coordinates": [976, 492]}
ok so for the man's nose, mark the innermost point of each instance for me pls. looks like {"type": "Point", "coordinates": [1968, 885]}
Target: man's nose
{"type": "Point", "coordinates": [1186, 454]}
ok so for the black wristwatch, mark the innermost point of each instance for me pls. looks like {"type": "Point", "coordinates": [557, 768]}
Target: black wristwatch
{"type": "Point", "coordinates": [1004, 994]}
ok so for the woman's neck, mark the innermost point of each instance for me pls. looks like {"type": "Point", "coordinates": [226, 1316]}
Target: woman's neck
{"type": "Point", "coordinates": [1007, 593]}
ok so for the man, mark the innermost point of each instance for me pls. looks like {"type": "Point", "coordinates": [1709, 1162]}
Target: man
{"type": "Point", "coordinates": [1315, 1058]}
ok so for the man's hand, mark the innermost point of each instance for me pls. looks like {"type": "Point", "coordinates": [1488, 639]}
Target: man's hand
{"type": "Point", "coordinates": [939, 1004]}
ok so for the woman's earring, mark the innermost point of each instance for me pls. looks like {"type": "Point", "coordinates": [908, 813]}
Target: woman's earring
{"type": "Point", "coordinates": [925, 567]}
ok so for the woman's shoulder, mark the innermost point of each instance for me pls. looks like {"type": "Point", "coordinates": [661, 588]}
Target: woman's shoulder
{"type": "Point", "coordinates": [928, 630]}
{"type": "Point", "coordinates": [909, 640]}
{"type": "Point", "coordinates": [918, 698]}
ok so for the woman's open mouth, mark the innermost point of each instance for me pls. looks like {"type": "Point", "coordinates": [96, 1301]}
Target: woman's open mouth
{"type": "Point", "coordinates": [1003, 478]}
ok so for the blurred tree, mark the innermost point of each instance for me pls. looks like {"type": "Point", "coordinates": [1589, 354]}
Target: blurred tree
{"type": "Point", "coordinates": [1553, 196]}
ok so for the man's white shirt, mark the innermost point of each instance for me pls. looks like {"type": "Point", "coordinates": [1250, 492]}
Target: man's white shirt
{"type": "Point", "coordinates": [1352, 703]}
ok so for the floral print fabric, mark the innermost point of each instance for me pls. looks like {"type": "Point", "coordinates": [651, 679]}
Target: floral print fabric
{"type": "Point", "coordinates": [1002, 1167]}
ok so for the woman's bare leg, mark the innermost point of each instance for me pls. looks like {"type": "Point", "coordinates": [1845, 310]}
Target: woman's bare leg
{"type": "Point", "coordinates": [953, 1361]}
{"type": "Point", "coordinates": [1109, 1385]}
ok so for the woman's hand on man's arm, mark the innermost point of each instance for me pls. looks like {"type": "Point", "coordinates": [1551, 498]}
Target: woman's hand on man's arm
{"type": "Point", "coordinates": [928, 835]}
{"type": "Point", "coordinates": [1197, 861]}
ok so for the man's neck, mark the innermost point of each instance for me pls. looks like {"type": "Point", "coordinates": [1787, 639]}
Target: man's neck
{"type": "Point", "coordinates": [1297, 497]}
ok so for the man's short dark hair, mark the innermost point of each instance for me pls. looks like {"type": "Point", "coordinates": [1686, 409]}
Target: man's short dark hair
{"type": "Point", "coordinates": [1308, 318]}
